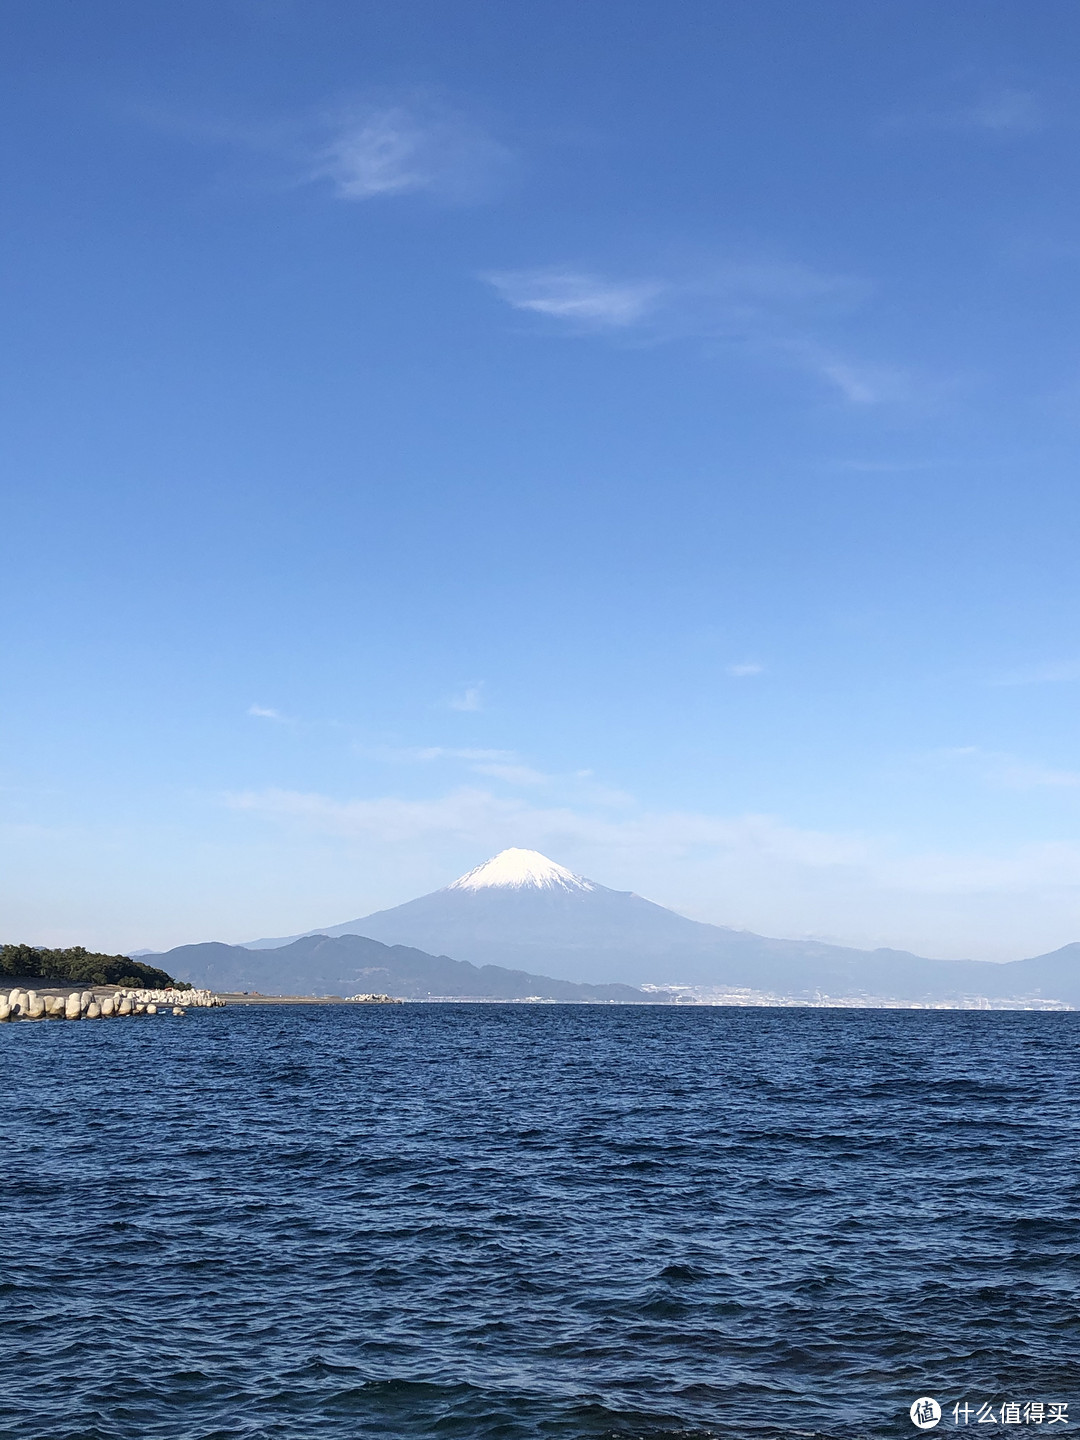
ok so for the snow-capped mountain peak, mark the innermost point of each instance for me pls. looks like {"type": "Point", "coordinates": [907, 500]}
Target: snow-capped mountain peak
{"type": "Point", "coordinates": [520, 870]}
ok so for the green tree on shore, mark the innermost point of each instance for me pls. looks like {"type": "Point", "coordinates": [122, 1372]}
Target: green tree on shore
{"type": "Point", "coordinates": [79, 966]}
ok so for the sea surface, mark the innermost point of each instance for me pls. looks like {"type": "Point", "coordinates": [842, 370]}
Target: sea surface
{"type": "Point", "coordinates": [530, 1221]}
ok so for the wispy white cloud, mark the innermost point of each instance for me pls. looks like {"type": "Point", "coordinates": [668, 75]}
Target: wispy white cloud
{"type": "Point", "coordinates": [745, 669]}
{"type": "Point", "coordinates": [495, 820]}
{"type": "Point", "coordinates": [504, 765]}
{"type": "Point", "coordinates": [416, 145]}
{"type": "Point", "coordinates": [512, 774]}
{"type": "Point", "coordinates": [264, 712]}
{"type": "Point", "coordinates": [729, 298]}
{"type": "Point", "coordinates": [498, 765]}
{"type": "Point", "coordinates": [377, 147]}
{"type": "Point", "coordinates": [470, 698]}
{"type": "Point", "coordinates": [773, 310]}
{"type": "Point", "coordinates": [858, 382]}
{"type": "Point", "coordinates": [425, 754]}
{"type": "Point", "coordinates": [577, 297]}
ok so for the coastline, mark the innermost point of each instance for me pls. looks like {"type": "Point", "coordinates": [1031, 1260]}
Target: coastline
{"type": "Point", "coordinates": [234, 997]}
{"type": "Point", "coordinates": [744, 1001]}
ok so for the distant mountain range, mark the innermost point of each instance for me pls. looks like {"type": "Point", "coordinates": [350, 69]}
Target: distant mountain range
{"type": "Point", "coordinates": [351, 964]}
{"type": "Point", "coordinates": [523, 911]}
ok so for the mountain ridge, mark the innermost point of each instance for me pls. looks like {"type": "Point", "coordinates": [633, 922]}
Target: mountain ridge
{"type": "Point", "coordinates": [522, 911]}
{"type": "Point", "coordinates": [328, 965]}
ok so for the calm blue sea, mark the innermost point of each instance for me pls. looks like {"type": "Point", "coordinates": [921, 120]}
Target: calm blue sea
{"type": "Point", "coordinates": [538, 1221]}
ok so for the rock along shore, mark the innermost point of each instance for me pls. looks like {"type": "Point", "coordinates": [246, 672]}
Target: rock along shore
{"type": "Point", "coordinates": [20, 1004]}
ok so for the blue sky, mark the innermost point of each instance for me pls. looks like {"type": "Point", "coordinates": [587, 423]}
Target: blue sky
{"type": "Point", "coordinates": [646, 433]}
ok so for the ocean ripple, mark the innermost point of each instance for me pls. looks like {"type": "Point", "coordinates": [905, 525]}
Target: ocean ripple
{"type": "Point", "coordinates": [536, 1221]}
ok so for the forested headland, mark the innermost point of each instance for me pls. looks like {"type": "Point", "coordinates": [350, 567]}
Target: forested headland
{"type": "Point", "coordinates": [78, 966]}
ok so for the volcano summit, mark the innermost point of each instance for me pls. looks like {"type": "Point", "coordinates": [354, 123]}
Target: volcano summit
{"type": "Point", "coordinates": [521, 870]}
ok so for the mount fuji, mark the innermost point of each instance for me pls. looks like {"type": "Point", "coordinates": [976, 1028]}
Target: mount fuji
{"type": "Point", "coordinates": [524, 911]}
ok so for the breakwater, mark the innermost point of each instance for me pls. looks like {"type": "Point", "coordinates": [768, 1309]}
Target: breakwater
{"type": "Point", "coordinates": [190, 999]}
{"type": "Point", "coordinates": [30, 1004]}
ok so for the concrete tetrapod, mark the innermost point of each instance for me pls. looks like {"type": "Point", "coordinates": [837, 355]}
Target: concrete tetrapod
{"type": "Point", "coordinates": [20, 1004]}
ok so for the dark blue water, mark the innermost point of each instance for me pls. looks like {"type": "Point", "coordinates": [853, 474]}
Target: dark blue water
{"type": "Point", "coordinates": [534, 1221]}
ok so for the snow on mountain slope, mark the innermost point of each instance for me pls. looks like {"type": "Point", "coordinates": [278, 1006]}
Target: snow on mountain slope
{"type": "Point", "coordinates": [519, 869]}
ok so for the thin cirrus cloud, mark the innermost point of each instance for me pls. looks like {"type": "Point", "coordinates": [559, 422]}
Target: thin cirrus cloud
{"type": "Point", "coordinates": [504, 765]}
{"type": "Point", "coordinates": [470, 698]}
{"type": "Point", "coordinates": [264, 712]}
{"type": "Point", "coordinates": [376, 147]}
{"type": "Point", "coordinates": [857, 382]}
{"type": "Point", "coordinates": [729, 299]}
{"type": "Point", "coordinates": [775, 311]}
{"type": "Point", "coordinates": [581, 299]}
{"type": "Point", "coordinates": [495, 821]}
{"type": "Point", "coordinates": [418, 146]}
{"type": "Point", "coordinates": [745, 670]}
{"type": "Point", "coordinates": [426, 754]}
{"type": "Point", "coordinates": [512, 774]}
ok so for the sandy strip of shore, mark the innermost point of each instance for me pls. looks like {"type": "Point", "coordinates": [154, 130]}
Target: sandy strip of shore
{"type": "Point", "coordinates": [232, 997]}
